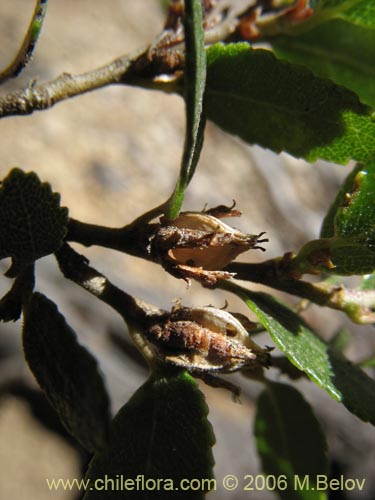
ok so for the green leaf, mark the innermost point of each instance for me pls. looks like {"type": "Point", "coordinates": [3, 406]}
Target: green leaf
{"type": "Point", "coordinates": [360, 12]}
{"type": "Point", "coordinates": [328, 229]}
{"type": "Point", "coordinates": [338, 50]}
{"type": "Point", "coordinates": [32, 223]}
{"type": "Point", "coordinates": [67, 373]}
{"type": "Point", "coordinates": [356, 213]}
{"type": "Point", "coordinates": [195, 80]}
{"type": "Point", "coordinates": [283, 106]}
{"type": "Point", "coordinates": [162, 434]}
{"type": "Point", "coordinates": [290, 442]}
{"type": "Point", "coordinates": [328, 368]}
{"type": "Point", "coordinates": [347, 245]}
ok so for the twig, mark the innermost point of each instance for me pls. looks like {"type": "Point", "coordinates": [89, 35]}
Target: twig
{"type": "Point", "coordinates": [146, 67]}
{"type": "Point", "coordinates": [133, 239]}
{"type": "Point", "coordinates": [26, 50]}
{"type": "Point", "coordinates": [358, 304]}
{"type": "Point", "coordinates": [75, 267]}
{"type": "Point", "coordinates": [38, 97]}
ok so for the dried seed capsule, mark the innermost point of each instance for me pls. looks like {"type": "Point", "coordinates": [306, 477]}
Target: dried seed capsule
{"type": "Point", "coordinates": [197, 245]}
{"type": "Point", "coordinates": [205, 339]}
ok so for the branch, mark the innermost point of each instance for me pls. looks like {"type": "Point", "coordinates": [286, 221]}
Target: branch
{"type": "Point", "coordinates": [133, 239]}
{"type": "Point", "coordinates": [26, 50]}
{"type": "Point", "coordinates": [358, 304]}
{"type": "Point", "coordinates": [147, 67]}
{"type": "Point", "coordinates": [75, 267]}
{"type": "Point", "coordinates": [39, 97]}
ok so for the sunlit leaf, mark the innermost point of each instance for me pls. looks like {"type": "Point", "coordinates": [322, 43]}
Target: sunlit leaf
{"type": "Point", "coordinates": [338, 50]}
{"type": "Point", "coordinates": [347, 245]}
{"type": "Point", "coordinates": [283, 106]}
{"type": "Point", "coordinates": [328, 368]}
{"type": "Point", "coordinates": [360, 12]}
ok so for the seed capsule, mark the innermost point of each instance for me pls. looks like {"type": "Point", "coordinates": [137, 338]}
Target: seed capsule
{"type": "Point", "coordinates": [205, 339]}
{"type": "Point", "coordinates": [198, 245]}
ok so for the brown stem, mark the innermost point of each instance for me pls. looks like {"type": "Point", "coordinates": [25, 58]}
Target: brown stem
{"type": "Point", "coordinates": [132, 239]}
{"type": "Point", "coordinates": [136, 313]}
{"type": "Point", "coordinates": [38, 97]}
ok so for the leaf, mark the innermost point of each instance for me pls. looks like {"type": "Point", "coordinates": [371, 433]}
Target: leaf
{"type": "Point", "coordinates": [360, 12]}
{"type": "Point", "coordinates": [290, 442]}
{"type": "Point", "coordinates": [195, 80]}
{"type": "Point", "coordinates": [338, 50]}
{"type": "Point", "coordinates": [328, 226]}
{"type": "Point", "coordinates": [67, 373]}
{"type": "Point", "coordinates": [161, 434]}
{"type": "Point", "coordinates": [20, 292]}
{"type": "Point", "coordinates": [356, 212]}
{"type": "Point", "coordinates": [347, 245]}
{"type": "Point", "coordinates": [328, 368]}
{"type": "Point", "coordinates": [32, 223]}
{"type": "Point", "coordinates": [282, 106]}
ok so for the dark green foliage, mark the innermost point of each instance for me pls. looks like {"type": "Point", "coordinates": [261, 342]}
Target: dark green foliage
{"type": "Point", "coordinates": [67, 373]}
{"type": "Point", "coordinates": [290, 441]}
{"type": "Point", "coordinates": [161, 433]}
{"type": "Point", "coordinates": [32, 223]}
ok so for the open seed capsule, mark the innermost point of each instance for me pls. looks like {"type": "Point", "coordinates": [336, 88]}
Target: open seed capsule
{"type": "Point", "coordinates": [205, 339]}
{"type": "Point", "coordinates": [198, 245]}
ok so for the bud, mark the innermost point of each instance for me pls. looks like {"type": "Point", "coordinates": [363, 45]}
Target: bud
{"type": "Point", "coordinates": [198, 245]}
{"type": "Point", "coordinates": [205, 339]}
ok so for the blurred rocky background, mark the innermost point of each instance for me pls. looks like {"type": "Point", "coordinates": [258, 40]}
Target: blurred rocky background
{"type": "Point", "coordinates": [113, 154]}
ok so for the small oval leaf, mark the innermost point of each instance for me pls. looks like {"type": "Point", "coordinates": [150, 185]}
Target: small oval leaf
{"type": "Point", "coordinates": [67, 373]}
{"type": "Point", "coordinates": [32, 223]}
